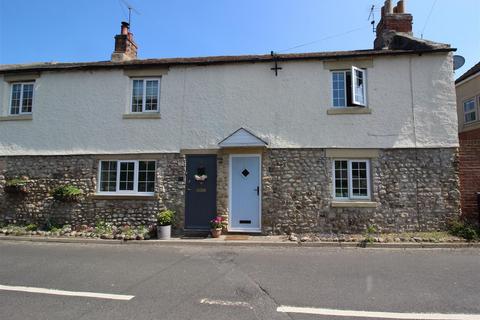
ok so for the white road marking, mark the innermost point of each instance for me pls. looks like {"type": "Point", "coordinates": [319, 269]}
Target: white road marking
{"type": "Point", "coordinates": [227, 303]}
{"type": "Point", "coordinates": [377, 314]}
{"type": "Point", "coordinates": [67, 293]}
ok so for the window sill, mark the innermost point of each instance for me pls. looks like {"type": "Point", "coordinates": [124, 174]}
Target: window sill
{"type": "Point", "coordinates": [145, 115]}
{"type": "Point", "coordinates": [16, 117]}
{"type": "Point", "coordinates": [349, 110]}
{"type": "Point", "coordinates": [353, 204]}
{"type": "Point", "coordinates": [472, 124]}
{"type": "Point", "coordinates": [99, 196]}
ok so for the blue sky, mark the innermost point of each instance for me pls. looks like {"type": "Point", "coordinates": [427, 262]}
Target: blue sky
{"type": "Point", "coordinates": [83, 30]}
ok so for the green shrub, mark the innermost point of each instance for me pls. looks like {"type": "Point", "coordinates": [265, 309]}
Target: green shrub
{"type": "Point", "coordinates": [464, 230]}
{"type": "Point", "coordinates": [55, 230]}
{"type": "Point", "coordinates": [369, 232]}
{"type": "Point", "coordinates": [102, 227]}
{"type": "Point", "coordinates": [166, 218]}
{"type": "Point", "coordinates": [50, 224]}
{"type": "Point", "coordinates": [67, 193]}
{"type": "Point", "coordinates": [31, 227]}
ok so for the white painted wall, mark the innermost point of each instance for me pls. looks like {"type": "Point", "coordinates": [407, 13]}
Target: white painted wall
{"type": "Point", "coordinates": [81, 112]}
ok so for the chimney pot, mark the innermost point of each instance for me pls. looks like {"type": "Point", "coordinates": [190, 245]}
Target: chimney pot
{"type": "Point", "coordinates": [392, 20]}
{"type": "Point", "coordinates": [125, 28]}
{"type": "Point", "coordinates": [388, 7]}
{"type": "Point", "coordinates": [401, 6]}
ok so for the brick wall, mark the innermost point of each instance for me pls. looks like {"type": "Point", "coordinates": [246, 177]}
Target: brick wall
{"type": "Point", "coordinates": [470, 172]}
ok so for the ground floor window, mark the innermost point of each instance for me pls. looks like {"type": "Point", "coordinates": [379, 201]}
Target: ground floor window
{"type": "Point", "coordinates": [126, 177]}
{"type": "Point", "coordinates": [351, 179]}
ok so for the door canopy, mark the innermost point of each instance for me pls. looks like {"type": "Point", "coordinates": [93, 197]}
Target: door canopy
{"type": "Point", "coordinates": [242, 138]}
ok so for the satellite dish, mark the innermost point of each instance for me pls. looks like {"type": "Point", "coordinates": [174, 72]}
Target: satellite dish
{"type": "Point", "coordinates": [458, 62]}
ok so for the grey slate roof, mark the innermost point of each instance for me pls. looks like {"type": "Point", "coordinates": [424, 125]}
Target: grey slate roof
{"type": "Point", "coordinates": [138, 63]}
{"type": "Point", "coordinates": [473, 70]}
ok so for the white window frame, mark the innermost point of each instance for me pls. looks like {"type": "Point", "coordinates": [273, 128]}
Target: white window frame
{"type": "Point", "coordinates": [144, 95]}
{"type": "Point", "coordinates": [475, 109]}
{"type": "Point", "coordinates": [354, 81]}
{"type": "Point", "coordinates": [354, 85]}
{"type": "Point", "coordinates": [350, 179]}
{"type": "Point", "coordinates": [135, 176]}
{"type": "Point", "coordinates": [117, 187]}
{"type": "Point", "coordinates": [345, 87]}
{"type": "Point", "coordinates": [21, 97]}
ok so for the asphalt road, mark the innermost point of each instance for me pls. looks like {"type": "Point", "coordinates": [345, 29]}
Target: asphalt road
{"type": "Point", "coordinates": [233, 282]}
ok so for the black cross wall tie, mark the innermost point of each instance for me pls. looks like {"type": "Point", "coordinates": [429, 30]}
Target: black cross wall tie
{"type": "Point", "coordinates": [276, 68]}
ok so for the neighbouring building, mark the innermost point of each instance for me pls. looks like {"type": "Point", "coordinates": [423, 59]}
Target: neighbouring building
{"type": "Point", "coordinates": [277, 143]}
{"type": "Point", "coordinates": [468, 106]}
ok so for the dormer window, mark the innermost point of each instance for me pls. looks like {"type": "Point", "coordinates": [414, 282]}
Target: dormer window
{"type": "Point", "coordinates": [349, 88]}
{"type": "Point", "coordinates": [145, 95]}
{"type": "Point", "coordinates": [21, 98]}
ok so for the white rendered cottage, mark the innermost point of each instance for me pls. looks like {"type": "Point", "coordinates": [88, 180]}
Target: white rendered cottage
{"type": "Point", "coordinates": [332, 141]}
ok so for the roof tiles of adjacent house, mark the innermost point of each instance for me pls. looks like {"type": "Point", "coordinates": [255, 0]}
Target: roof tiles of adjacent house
{"type": "Point", "coordinates": [473, 70]}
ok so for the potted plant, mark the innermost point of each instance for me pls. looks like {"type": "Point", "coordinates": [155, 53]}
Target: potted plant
{"type": "Point", "coordinates": [216, 226]}
{"type": "Point", "coordinates": [165, 219]}
{"type": "Point", "coordinates": [16, 186]}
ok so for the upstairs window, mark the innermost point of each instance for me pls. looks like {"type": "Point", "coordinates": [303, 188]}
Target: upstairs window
{"type": "Point", "coordinates": [349, 88]}
{"type": "Point", "coordinates": [470, 111]}
{"type": "Point", "coordinates": [351, 179]}
{"type": "Point", "coordinates": [145, 95]}
{"type": "Point", "coordinates": [127, 177]}
{"type": "Point", "coordinates": [21, 98]}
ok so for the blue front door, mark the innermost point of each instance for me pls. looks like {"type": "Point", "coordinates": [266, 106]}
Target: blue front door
{"type": "Point", "coordinates": [245, 193]}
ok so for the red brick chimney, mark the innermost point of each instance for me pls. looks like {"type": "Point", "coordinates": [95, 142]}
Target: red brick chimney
{"type": "Point", "coordinates": [392, 20]}
{"type": "Point", "coordinates": [125, 47]}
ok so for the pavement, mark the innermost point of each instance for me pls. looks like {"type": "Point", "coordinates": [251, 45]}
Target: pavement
{"type": "Point", "coordinates": [107, 281]}
{"type": "Point", "coordinates": [245, 240]}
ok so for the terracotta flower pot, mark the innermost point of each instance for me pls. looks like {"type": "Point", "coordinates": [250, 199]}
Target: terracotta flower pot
{"type": "Point", "coordinates": [216, 232]}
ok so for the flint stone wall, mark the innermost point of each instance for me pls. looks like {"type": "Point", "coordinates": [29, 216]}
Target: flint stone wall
{"type": "Point", "coordinates": [45, 173]}
{"type": "Point", "coordinates": [414, 190]}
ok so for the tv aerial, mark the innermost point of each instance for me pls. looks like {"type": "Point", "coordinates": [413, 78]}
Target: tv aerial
{"type": "Point", "coordinates": [130, 9]}
{"type": "Point", "coordinates": [371, 17]}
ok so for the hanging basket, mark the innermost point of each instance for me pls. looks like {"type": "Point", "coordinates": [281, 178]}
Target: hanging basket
{"type": "Point", "coordinates": [16, 186]}
{"type": "Point", "coordinates": [16, 189]}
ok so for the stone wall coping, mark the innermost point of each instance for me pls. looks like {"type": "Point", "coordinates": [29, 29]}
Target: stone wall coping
{"type": "Point", "coordinates": [349, 110]}
{"type": "Point", "coordinates": [121, 197]}
{"type": "Point", "coordinates": [148, 115]}
{"type": "Point", "coordinates": [354, 204]}
{"type": "Point", "coordinates": [17, 117]}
